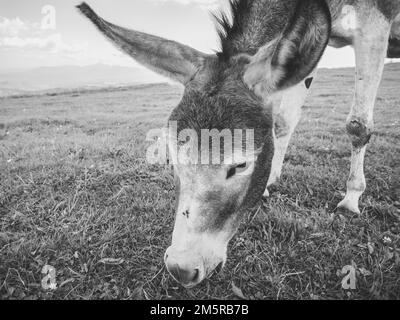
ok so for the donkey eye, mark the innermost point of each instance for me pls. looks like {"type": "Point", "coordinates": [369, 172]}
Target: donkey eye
{"type": "Point", "coordinates": [232, 171]}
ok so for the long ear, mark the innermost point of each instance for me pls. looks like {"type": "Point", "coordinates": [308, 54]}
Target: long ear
{"type": "Point", "coordinates": [290, 58]}
{"type": "Point", "coordinates": [169, 58]}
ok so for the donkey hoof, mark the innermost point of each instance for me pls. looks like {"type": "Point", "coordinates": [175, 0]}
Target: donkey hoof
{"type": "Point", "coordinates": [345, 214]}
{"type": "Point", "coordinates": [349, 206]}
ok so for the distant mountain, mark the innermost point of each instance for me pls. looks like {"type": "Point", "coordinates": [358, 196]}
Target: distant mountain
{"type": "Point", "coordinates": [68, 77]}
{"type": "Point", "coordinates": [61, 78]}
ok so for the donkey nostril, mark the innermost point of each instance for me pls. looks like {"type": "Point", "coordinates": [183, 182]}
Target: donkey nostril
{"type": "Point", "coordinates": [184, 276]}
{"type": "Point", "coordinates": [196, 275]}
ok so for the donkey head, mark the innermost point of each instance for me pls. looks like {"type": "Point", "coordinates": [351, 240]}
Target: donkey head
{"type": "Point", "coordinates": [269, 47]}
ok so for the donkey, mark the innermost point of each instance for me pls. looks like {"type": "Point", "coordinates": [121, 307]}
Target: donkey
{"type": "Point", "coordinates": [269, 49]}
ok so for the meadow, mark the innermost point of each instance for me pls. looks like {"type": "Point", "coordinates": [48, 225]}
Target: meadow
{"type": "Point", "coordinates": [77, 194]}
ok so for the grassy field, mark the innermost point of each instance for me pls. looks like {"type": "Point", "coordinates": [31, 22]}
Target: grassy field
{"type": "Point", "coordinates": [76, 193]}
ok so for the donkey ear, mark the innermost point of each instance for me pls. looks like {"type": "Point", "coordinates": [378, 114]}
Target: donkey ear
{"type": "Point", "coordinates": [291, 57]}
{"type": "Point", "coordinates": [169, 58]}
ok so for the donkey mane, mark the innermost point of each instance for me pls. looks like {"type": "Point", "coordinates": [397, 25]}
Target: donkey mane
{"type": "Point", "coordinates": [227, 29]}
{"type": "Point", "coordinates": [250, 24]}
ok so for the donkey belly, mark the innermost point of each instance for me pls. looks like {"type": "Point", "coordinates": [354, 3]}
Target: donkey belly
{"type": "Point", "coordinates": [394, 40]}
{"type": "Point", "coordinates": [344, 24]}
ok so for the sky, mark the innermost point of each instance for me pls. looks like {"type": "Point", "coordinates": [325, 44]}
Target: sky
{"type": "Point", "coordinates": [35, 33]}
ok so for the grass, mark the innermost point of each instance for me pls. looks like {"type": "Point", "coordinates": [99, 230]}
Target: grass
{"type": "Point", "coordinates": [77, 194]}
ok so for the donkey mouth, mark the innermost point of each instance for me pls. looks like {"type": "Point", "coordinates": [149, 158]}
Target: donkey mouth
{"type": "Point", "coordinates": [199, 276]}
{"type": "Point", "coordinates": [196, 280]}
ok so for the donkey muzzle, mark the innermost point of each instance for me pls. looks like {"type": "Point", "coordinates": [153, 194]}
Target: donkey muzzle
{"type": "Point", "coordinates": [186, 268]}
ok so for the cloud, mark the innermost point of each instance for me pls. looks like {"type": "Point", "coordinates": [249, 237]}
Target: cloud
{"type": "Point", "coordinates": [52, 43]}
{"type": "Point", "coordinates": [30, 39]}
{"type": "Point", "coordinates": [13, 27]}
{"type": "Point", "coordinates": [18, 34]}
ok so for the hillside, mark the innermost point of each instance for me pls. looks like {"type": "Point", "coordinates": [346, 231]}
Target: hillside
{"type": "Point", "coordinates": [68, 77]}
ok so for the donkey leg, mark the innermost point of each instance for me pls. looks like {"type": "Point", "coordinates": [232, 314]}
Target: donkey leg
{"type": "Point", "coordinates": [370, 45]}
{"type": "Point", "coordinates": [286, 120]}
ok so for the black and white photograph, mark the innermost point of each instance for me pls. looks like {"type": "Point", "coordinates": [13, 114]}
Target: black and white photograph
{"type": "Point", "coordinates": [233, 151]}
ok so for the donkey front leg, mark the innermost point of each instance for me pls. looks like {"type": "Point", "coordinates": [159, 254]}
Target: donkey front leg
{"type": "Point", "coordinates": [286, 119]}
{"type": "Point", "coordinates": [370, 45]}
